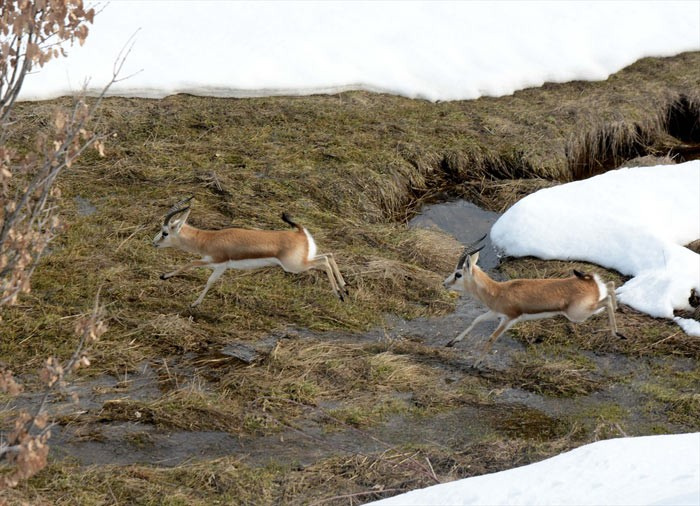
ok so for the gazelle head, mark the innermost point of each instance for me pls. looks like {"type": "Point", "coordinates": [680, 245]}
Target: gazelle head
{"type": "Point", "coordinates": [172, 224]}
{"type": "Point", "coordinates": [462, 277]}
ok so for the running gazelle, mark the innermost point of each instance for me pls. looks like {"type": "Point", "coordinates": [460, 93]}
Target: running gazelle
{"type": "Point", "coordinates": [576, 297]}
{"type": "Point", "coordinates": [240, 248]}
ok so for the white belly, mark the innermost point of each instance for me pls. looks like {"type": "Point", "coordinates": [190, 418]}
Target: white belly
{"type": "Point", "coordinates": [253, 263]}
{"type": "Point", "coordinates": [539, 316]}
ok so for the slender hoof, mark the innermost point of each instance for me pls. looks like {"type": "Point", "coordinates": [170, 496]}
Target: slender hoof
{"type": "Point", "coordinates": [621, 335]}
{"type": "Point", "coordinates": [194, 305]}
{"type": "Point", "coordinates": [450, 344]}
{"type": "Point", "coordinates": [163, 276]}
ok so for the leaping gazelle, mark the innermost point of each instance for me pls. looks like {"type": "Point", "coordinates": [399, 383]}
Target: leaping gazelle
{"type": "Point", "coordinates": [240, 248]}
{"type": "Point", "coordinates": [576, 297]}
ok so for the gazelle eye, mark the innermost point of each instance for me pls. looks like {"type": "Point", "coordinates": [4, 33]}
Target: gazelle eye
{"type": "Point", "coordinates": [458, 275]}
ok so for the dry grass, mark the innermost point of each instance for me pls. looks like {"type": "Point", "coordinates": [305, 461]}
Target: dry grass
{"type": "Point", "coordinates": [553, 377]}
{"type": "Point", "coordinates": [351, 479]}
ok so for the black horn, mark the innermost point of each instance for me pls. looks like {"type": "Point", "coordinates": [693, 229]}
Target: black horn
{"type": "Point", "coordinates": [469, 248]}
{"type": "Point", "coordinates": [462, 259]}
{"type": "Point", "coordinates": [170, 215]}
{"type": "Point", "coordinates": [469, 251]}
{"type": "Point", "coordinates": [179, 204]}
{"type": "Point", "coordinates": [177, 209]}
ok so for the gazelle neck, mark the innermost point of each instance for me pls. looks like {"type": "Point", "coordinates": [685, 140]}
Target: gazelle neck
{"type": "Point", "coordinates": [485, 288]}
{"type": "Point", "coordinates": [188, 239]}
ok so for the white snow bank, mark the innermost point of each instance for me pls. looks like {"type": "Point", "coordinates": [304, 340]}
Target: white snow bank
{"type": "Point", "coordinates": [432, 50]}
{"type": "Point", "coordinates": [633, 220]}
{"type": "Point", "coordinates": [651, 470]}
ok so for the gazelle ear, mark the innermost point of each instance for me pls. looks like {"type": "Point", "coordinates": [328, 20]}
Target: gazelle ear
{"type": "Point", "coordinates": [471, 261]}
{"type": "Point", "coordinates": [177, 224]}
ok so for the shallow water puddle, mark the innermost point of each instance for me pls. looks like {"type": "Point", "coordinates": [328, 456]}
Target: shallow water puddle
{"type": "Point", "coordinates": [465, 221]}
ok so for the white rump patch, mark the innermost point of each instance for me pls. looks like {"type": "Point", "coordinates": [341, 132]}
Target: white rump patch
{"type": "Point", "coordinates": [602, 289]}
{"type": "Point", "coordinates": [312, 245]}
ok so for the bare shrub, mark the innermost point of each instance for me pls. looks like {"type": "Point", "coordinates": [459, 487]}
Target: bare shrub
{"type": "Point", "coordinates": [32, 33]}
{"type": "Point", "coordinates": [24, 450]}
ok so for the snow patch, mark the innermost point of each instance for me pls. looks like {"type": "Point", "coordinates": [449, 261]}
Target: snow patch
{"type": "Point", "coordinates": [651, 470]}
{"type": "Point", "coordinates": [430, 50]}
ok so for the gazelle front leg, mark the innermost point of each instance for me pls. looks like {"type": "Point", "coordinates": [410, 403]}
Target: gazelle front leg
{"type": "Point", "coordinates": [488, 315]}
{"type": "Point", "coordinates": [218, 271]}
{"type": "Point", "coordinates": [191, 265]}
{"type": "Point", "coordinates": [505, 324]}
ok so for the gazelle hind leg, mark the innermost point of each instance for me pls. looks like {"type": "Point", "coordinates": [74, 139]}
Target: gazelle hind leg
{"type": "Point", "coordinates": [609, 303]}
{"type": "Point", "coordinates": [340, 282]}
{"type": "Point", "coordinates": [611, 293]}
{"type": "Point", "coordinates": [218, 271]}
{"type": "Point", "coordinates": [611, 316]}
{"type": "Point", "coordinates": [321, 262]}
{"type": "Point", "coordinates": [488, 315]}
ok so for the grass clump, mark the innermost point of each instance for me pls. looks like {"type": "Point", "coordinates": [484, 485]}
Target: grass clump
{"type": "Point", "coordinates": [552, 376]}
{"type": "Point", "coordinates": [527, 423]}
{"type": "Point", "coordinates": [230, 480]}
{"type": "Point", "coordinates": [674, 393]}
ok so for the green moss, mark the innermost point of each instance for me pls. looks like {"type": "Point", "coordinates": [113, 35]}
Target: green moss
{"type": "Point", "coordinates": [679, 407]}
{"type": "Point", "coordinates": [529, 423]}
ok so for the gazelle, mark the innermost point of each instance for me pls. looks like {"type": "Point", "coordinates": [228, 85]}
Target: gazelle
{"type": "Point", "coordinates": [577, 297]}
{"type": "Point", "coordinates": [239, 248]}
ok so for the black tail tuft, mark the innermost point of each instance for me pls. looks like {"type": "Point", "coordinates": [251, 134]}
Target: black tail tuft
{"type": "Point", "coordinates": [582, 275]}
{"type": "Point", "coordinates": [287, 219]}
